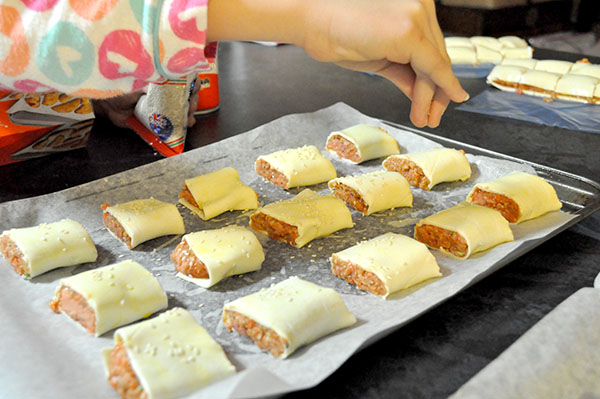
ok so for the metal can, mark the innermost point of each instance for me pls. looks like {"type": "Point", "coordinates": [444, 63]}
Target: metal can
{"type": "Point", "coordinates": [208, 82]}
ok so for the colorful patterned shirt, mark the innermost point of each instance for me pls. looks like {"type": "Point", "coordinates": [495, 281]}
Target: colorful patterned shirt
{"type": "Point", "coordinates": [99, 48]}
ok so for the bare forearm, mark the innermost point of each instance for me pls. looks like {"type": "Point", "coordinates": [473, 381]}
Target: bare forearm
{"type": "Point", "coordinates": [269, 20]}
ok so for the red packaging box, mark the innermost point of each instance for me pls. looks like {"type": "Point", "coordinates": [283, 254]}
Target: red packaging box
{"type": "Point", "coordinates": [35, 125]}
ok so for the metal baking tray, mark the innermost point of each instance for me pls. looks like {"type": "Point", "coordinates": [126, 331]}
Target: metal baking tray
{"type": "Point", "coordinates": [28, 312]}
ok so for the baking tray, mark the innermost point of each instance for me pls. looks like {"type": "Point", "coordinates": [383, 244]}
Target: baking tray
{"type": "Point", "coordinates": [68, 349]}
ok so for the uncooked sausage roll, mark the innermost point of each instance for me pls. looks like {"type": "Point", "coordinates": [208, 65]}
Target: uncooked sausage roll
{"type": "Point", "coordinates": [287, 315]}
{"type": "Point", "coordinates": [361, 142]}
{"type": "Point", "coordinates": [35, 250]}
{"type": "Point", "coordinates": [214, 193]}
{"type": "Point", "coordinates": [295, 167]}
{"type": "Point", "coordinates": [206, 257]}
{"type": "Point", "coordinates": [169, 356]}
{"type": "Point", "coordinates": [141, 220]}
{"type": "Point", "coordinates": [109, 297]}
{"type": "Point", "coordinates": [577, 88]}
{"type": "Point", "coordinates": [303, 218]}
{"type": "Point", "coordinates": [385, 264]}
{"type": "Point", "coordinates": [373, 192]}
{"type": "Point", "coordinates": [518, 196]}
{"type": "Point", "coordinates": [428, 168]}
{"type": "Point", "coordinates": [463, 230]}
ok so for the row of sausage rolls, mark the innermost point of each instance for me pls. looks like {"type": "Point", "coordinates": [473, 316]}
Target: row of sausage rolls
{"type": "Point", "coordinates": [485, 49]}
{"type": "Point", "coordinates": [579, 81]}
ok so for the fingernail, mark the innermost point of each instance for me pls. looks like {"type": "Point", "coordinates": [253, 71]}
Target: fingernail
{"type": "Point", "coordinates": [467, 96]}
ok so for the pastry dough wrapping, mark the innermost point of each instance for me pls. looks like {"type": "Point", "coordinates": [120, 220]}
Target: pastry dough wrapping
{"type": "Point", "coordinates": [482, 228]}
{"type": "Point", "coordinates": [118, 294]}
{"type": "Point", "coordinates": [379, 190]}
{"type": "Point", "coordinates": [369, 142]}
{"type": "Point", "coordinates": [312, 214]}
{"type": "Point", "coordinates": [297, 310]}
{"type": "Point", "coordinates": [533, 195]}
{"type": "Point", "coordinates": [438, 165]}
{"type": "Point", "coordinates": [49, 246]}
{"type": "Point", "coordinates": [172, 355]}
{"type": "Point", "coordinates": [302, 166]}
{"type": "Point", "coordinates": [225, 252]}
{"type": "Point", "coordinates": [398, 261]}
{"type": "Point", "coordinates": [146, 219]}
{"type": "Point", "coordinates": [218, 192]}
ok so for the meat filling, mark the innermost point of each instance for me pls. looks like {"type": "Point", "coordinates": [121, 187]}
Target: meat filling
{"type": "Point", "coordinates": [343, 148]}
{"type": "Point", "coordinates": [350, 196]}
{"type": "Point", "coordinates": [357, 276]}
{"type": "Point", "coordinates": [115, 227]}
{"type": "Point", "coordinates": [274, 176]}
{"type": "Point", "coordinates": [186, 194]}
{"type": "Point", "coordinates": [505, 83]}
{"type": "Point", "coordinates": [265, 338]}
{"type": "Point", "coordinates": [506, 206]}
{"type": "Point", "coordinates": [410, 170]}
{"type": "Point", "coordinates": [13, 255]}
{"type": "Point", "coordinates": [187, 263]}
{"type": "Point", "coordinates": [437, 237]}
{"type": "Point", "coordinates": [274, 228]}
{"type": "Point", "coordinates": [76, 307]}
{"type": "Point", "coordinates": [121, 375]}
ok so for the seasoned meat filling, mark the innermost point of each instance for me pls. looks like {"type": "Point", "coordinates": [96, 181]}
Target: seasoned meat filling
{"type": "Point", "coordinates": [343, 148]}
{"type": "Point", "coordinates": [265, 338]}
{"type": "Point", "coordinates": [358, 276]}
{"type": "Point", "coordinates": [274, 228]}
{"type": "Point", "coordinates": [76, 307]}
{"type": "Point", "coordinates": [506, 206]}
{"type": "Point", "coordinates": [274, 176]}
{"type": "Point", "coordinates": [115, 227]}
{"type": "Point", "coordinates": [437, 237]}
{"type": "Point", "coordinates": [187, 263]}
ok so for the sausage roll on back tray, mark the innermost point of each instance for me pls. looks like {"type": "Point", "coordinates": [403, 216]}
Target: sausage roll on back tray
{"type": "Point", "coordinates": [373, 192]}
{"type": "Point", "coordinates": [287, 315]}
{"type": "Point", "coordinates": [35, 250]}
{"type": "Point", "coordinates": [206, 257]}
{"type": "Point", "coordinates": [303, 218]}
{"type": "Point", "coordinates": [109, 297]}
{"type": "Point", "coordinates": [169, 356]}
{"type": "Point", "coordinates": [463, 230]}
{"type": "Point", "coordinates": [361, 142]}
{"type": "Point", "coordinates": [428, 168]}
{"type": "Point", "coordinates": [138, 221]}
{"type": "Point", "coordinates": [518, 196]}
{"type": "Point", "coordinates": [214, 193]}
{"type": "Point", "coordinates": [385, 264]}
{"type": "Point", "coordinates": [295, 167]}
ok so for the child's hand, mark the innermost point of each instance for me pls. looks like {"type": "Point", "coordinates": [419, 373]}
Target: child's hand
{"type": "Point", "coordinates": [397, 39]}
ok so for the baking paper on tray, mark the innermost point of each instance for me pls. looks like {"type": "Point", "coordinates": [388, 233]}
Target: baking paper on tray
{"type": "Point", "coordinates": [50, 354]}
{"type": "Point", "coordinates": [557, 358]}
{"type": "Point", "coordinates": [560, 113]}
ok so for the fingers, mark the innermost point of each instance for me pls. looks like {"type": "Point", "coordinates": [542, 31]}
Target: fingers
{"type": "Point", "coordinates": [423, 93]}
{"type": "Point", "coordinates": [438, 106]}
{"type": "Point", "coordinates": [401, 75]}
{"type": "Point", "coordinates": [428, 62]}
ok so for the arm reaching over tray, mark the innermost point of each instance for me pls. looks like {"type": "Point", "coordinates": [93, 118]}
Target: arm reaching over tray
{"type": "Point", "coordinates": [399, 40]}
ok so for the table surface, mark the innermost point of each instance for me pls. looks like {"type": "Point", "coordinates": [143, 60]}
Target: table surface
{"type": "Point", "coordinates": [434, 355]}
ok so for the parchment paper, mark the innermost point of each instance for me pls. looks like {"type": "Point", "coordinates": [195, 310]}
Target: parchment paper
{"type": "Point", "coordinates": [46, 353]}
{"type": "Point", "coordinates": [557, 358]}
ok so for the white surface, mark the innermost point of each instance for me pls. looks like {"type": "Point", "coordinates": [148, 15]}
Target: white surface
{"type": "Point", "coordinates": [66, 362]}
{"type": "Point", "coordinates": [557, 358]}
